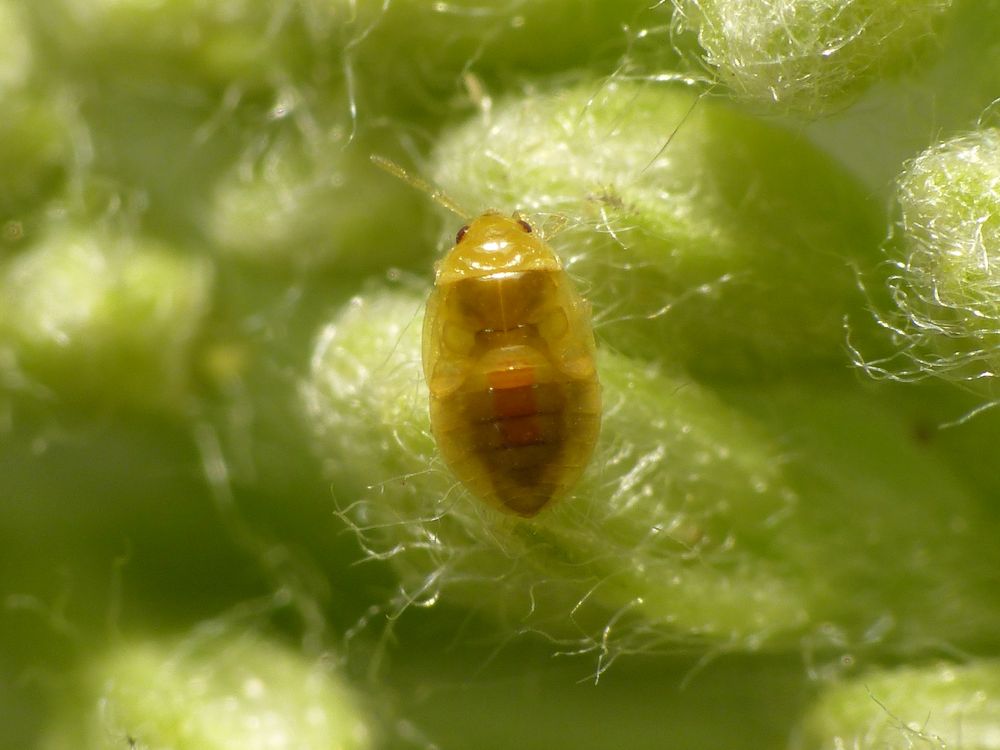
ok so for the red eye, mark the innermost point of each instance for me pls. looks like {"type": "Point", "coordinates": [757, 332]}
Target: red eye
{"type": "Point", "coordinates": [524, 225]}
{"type": "Point", "coordinates": [461, 233]}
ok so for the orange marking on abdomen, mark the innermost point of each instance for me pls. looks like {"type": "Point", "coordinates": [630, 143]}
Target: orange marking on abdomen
{"type": "Point", "coordinates": [515, 377]}
{"type": "Point", "coordinates": [515, 408]}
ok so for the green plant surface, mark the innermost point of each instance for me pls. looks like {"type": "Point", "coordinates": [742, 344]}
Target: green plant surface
{"type": "Point", "coordinates": [224, 521]}
{"type": "Point", "coordinates": [232, 692]}
{"type": "Point", "coordinates": [769, 484]}
{"type": "Point", "coordinates": [934, 706]}
{"type": "Point", "coordinates": [807, 56]}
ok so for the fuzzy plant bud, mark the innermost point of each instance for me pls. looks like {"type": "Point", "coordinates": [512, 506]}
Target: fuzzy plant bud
{"type": "Point", "coordinates": [945, 286]}
{"type": "Point", "coordinates": [806, 55]}
{"type": "Point", "coordinates": [936, 706]}
{"type": "Point", "coordinates": [212, 692]}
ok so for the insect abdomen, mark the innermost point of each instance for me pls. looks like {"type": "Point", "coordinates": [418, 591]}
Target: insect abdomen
{"type": "Point", "coordinates": [520, 428]}
{"type": "Point", "coordinates": [518, 446]}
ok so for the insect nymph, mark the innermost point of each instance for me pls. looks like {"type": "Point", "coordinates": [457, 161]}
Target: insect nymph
{"type": "Point", "coordinates": [509, 358]}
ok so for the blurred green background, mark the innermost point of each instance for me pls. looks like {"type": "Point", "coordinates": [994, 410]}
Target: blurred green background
{"type": "Point", "coordinates": [211, 415]}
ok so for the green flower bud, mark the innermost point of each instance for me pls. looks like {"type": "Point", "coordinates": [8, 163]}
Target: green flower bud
{"type": "Point", "coordinates": [307, 200]}
{"type": "Point", "coordinates": [946, 319]}
{"type": "Point", "coordinates": [243, 42]}
{"type": "Point", "coordinates": [102, 318]}
{"type": "Point", "coordinates": [218, 692]}
{"type": "Point", "coordinates": [940, 706]}
{"type": "Point", "coordinates": [807, 55]}
{"type": "Point", "coordinates": [467, 49]}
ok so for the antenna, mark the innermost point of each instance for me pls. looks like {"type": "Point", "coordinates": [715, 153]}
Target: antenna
{"type": "Point", "coordinates": [438, 195]}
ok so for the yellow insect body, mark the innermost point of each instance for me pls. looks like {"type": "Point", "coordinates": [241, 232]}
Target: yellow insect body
{"type": "Point", "coordinates": [508, 353]}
